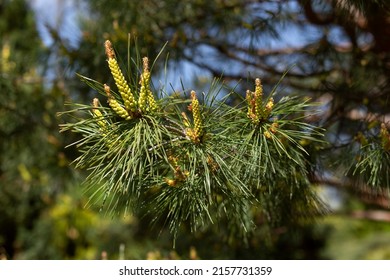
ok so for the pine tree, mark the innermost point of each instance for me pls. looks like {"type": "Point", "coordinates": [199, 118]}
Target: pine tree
{"type": "Point", "coordinates": [196, 159]}
{"type": "Point", "coordinates": [342, 63]}
{"type": "Point", "coordinates": [346, 72]}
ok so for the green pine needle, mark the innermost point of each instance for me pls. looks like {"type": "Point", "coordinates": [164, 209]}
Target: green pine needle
{"type": "Point", "coordinates": [234, 171]}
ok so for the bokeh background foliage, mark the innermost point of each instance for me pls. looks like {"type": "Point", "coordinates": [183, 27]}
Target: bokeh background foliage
{"type": "Point", "coordinates": [341, 56]}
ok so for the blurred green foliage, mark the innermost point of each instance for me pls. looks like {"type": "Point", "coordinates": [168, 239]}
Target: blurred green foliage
{"type": "Point", "coordinates": [356, 239]}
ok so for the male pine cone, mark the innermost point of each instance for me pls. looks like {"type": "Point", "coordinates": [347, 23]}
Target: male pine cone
{"type": "Point", "coordinates": [198, 126]}
{"type": "Point", "coordinates": [120, 80]}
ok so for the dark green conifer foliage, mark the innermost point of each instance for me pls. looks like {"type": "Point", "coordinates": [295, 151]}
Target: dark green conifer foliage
{"type": "Point", "coordinates": [198, 164]}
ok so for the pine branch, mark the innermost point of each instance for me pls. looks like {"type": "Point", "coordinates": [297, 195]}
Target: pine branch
{"type": "Point", "coordinates": [196, 161]}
